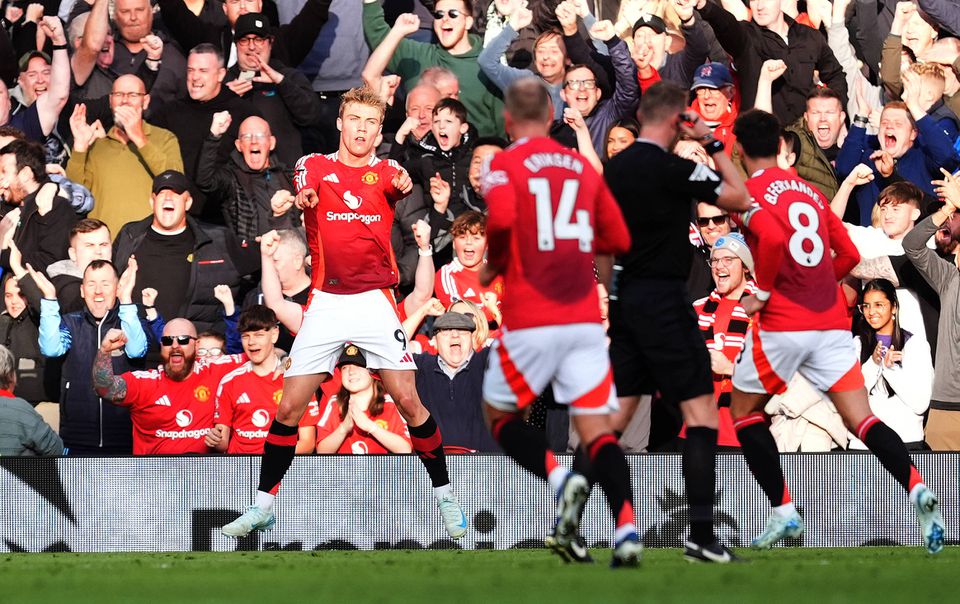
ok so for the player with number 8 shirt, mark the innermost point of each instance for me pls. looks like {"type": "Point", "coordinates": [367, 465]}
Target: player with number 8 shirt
{"type": "Point", "coordinates": [801, 326]}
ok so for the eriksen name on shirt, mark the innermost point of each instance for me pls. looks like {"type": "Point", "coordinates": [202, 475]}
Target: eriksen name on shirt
{"type": "Point", "coordinates": [539, 161]}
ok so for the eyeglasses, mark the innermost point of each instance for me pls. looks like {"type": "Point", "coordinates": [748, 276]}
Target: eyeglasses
{"type": "Point", "coordinates": [580, 84]}
{"type": "Point", "coordinates": [128, 95]}
{"type": "Point", "coordinates": [209, 352]}
{"type": "Point", "coordinates": [181, 340]}
{"type": "Point", "coordinates": [453, 13]}
{"type": "Point", "coordinates": [252, 41]}
{"type": "Point", "coordinates": [724, 261]}
{"type": "Point", "coordinates": [879, 306]}
{"type": "Point", "coordinates": [253, 136]}
{"type": "Point", "coordinates": [716, 220]}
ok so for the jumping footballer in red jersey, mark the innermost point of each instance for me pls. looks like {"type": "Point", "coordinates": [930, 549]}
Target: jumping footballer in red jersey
{"type": "Point", "coordinates": [551, 218]}
{"type": "Point", "coordinates": [348, 200]}
{"type": "Point", "coordinates": [802, 326]}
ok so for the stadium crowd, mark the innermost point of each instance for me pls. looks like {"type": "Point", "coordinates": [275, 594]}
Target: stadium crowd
{"type": "Point", "coordinates": [149, 229]}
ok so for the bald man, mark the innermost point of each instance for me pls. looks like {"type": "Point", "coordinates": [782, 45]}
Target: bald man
{"type": "Point", "coordinates": [118, 166]}
{"type": "Point", "coordinates": [252, 187]}
{"type": "Point", "coordinates": [171, 406]}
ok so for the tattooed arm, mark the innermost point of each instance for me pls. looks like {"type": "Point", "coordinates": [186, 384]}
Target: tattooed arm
{"type": "Point", "coordinates": [876, 268]}
{"type": "Point", "coordinates": [108, 385]}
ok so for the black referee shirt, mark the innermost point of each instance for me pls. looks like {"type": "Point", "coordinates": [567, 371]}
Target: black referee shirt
{"type": "Point", "coordinates": [655, 190]}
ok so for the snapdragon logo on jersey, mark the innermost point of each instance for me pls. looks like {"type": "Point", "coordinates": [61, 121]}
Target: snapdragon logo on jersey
{"type": "Point", "coordinates": [130, 504]}
{"type": "Point", "coordinates": [353, 202]}
{"type": "Point", "coordinates": [260, 419]}
{"type": "Point", "coordinates": [183, 418]}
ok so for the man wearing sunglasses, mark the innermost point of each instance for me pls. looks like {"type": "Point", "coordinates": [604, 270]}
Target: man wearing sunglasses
{"type": "Point", "coordinates": [712, 223]}
{"type": "Point", "coordinates": [456, 49]}
{"type": "Point", "coordinates": [90, 425]}
{"type": "Point", "coordinates": [172, 406]}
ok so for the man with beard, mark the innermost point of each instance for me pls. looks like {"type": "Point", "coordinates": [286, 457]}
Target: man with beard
{"type": "Point", "coordinates": [171, 406]}
{"type": "Point", "coordinates": [138, 47]}
{"type": "Point", "coordinates": [87, 425]}
{"type": "Point", "coordinates": [41, 218]}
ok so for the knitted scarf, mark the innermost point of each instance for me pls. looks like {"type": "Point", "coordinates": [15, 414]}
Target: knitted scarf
{"type": "Point", "coordinates": [737, 327]}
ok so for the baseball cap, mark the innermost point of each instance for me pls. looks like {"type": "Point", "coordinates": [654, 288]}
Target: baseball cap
{"type": "Point", "coordinates": [712, 75]}
{"type": "Point", "coordinates": [734, 242]}
{"type": "Point", "coordinates": [171, 179]}
{"type": "Point", "coordinates": [351, 355]}
{"type": "Point", "coordinates": [652, 21]}
{"type": "Point", "coordinates": [252, 23]}
{"type": "Point", "coordinates": [25, 59]}
{"type": "Point", "coordinates": [454, 320]}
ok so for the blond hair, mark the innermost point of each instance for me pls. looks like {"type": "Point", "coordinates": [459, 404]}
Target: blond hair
{"type": "Point", "coordinates": [363, 95]}
{"type": "Point", "coordinates": [928, 70]}
{"type": "Point", "coordinates": [482, 332]}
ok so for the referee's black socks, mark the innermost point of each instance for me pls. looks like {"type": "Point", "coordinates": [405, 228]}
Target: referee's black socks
{"type": "Point", "coordinates": [428, 444]}
{"type": "Point", "coordinates": [700, 478]}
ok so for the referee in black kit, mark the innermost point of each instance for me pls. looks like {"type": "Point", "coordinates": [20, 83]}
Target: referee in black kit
{"type": "Point", "coordinates": [655, 344]}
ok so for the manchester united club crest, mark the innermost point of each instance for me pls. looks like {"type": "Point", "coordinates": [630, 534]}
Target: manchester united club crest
{"type": "Point", "coordinates": [202, 394]}
{"type": "Point", "coordinates": [370, 178]}
{"type": "Point", "coordinates": [382, 423]}
{"type": "Point", "coordinates": [277, 395]}
{"type": "Point", "coordinates": [352, 350]}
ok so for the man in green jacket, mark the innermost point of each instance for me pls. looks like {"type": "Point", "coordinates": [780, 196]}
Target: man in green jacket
{"type": "Point", "coordinates": [457, 50]}
{"type": "Point", "coordinates": [119, 166]}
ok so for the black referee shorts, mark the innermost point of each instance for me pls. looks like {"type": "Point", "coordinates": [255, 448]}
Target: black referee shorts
{"type": "Point", "coordinates": [655, 344]}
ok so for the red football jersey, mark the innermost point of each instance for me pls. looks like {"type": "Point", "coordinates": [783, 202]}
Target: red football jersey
{"type": "Point", "coordinates": [348, 232]}
{"type": "Point", "coordinates": [359, 442]}
{"type": "Point", "coordinates": [791, 232]}
{"type": "Point", "coordinates": [550, 213]}
{"type": "Point", "coordinates": [247, 403]}
{"type": "Point", "coordinates": [170, 417]}
{"type": "Point", "coordinates": [454, 282]}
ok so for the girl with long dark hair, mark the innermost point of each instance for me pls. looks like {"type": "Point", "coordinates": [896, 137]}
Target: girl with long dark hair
{"type": "Point", "coordinates": [897, 368]}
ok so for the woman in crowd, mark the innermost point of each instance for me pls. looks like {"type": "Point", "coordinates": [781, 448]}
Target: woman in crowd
{"type": "Point", "coordinates": [622, 134]}
{"type": "Point", "coordinates": [361, 418]}
{"type": "Point", "coordinates": [897, 368]}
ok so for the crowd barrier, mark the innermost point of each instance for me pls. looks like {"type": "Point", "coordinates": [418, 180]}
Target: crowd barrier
{"type": "Point", "coordinates": [114, 504]}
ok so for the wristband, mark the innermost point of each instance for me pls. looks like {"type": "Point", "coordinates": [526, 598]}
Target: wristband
{"type": "Point", "coordinates": [426, 252]}
{"type": "Point", "coordinates": [762, 295]}
{"type": "Point", "coordinates": [860, 120]}
{"type": "Point", "coordinates": [713, 147]}
{"type": "Point", "coordinates": [59, 47]}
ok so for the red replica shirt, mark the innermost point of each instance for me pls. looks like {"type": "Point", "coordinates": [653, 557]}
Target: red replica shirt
{"type": "Point", "coordinates": [359, 442]}
{"type": "Point", "coordinates": [170, 417]}
{"type": "Point", "coordinates": [791, 232]}
{"type": "Point", "coordinates": [454, 282]}
{"type": "Point", "coordinates": [550, 213]}
{"type": "Point", "coordinates": [247, 403]}
{"type": "Point", "coordinates": [349, 230]}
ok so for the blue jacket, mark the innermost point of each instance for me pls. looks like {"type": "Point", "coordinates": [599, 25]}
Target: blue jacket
{"type": "Point", "coordinates": [88, 423]}
{"type": "Point", "coordinates": [932, 149]}
{"type": "Point", "coordinates": [456, 404]}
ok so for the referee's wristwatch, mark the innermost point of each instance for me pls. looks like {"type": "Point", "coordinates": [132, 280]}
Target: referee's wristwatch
{"type": "Point", "coordinates": [711, 145]}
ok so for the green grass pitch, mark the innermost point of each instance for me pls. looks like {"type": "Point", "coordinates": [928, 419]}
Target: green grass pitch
{"type": "Point", "coordinates": [868, 574]}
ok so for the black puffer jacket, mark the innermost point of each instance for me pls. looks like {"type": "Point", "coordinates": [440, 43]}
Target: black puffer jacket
{"type": "Point", "coordinates": [217, 258]}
